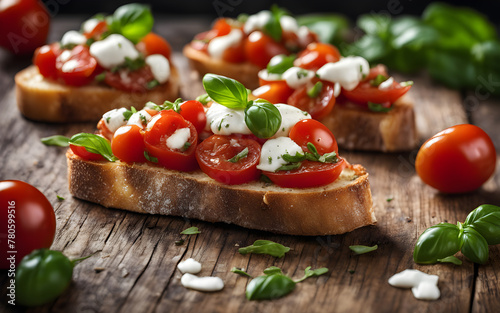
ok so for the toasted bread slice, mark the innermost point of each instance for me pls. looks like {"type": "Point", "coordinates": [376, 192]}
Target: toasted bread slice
{"type": "Point", "coordinates": [339, 207]}
{"type": "Point", "coordinates": [41, 99]}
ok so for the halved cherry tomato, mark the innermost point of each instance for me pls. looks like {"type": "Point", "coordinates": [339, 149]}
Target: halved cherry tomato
{"type": "Point", "coordinates": [379, 69]}
{"type": "Point", "coordinates": [128, 144]}
{"type": "Point", "coordinates": [84, 154]}
{"type": "Point", "coordinates": [45, 59]}
{"type": "Point", "coordinates": [100, 28]}
{"type": "Point", "coordinates": [365, 93]}
{"type": "Point", "coordinates": [130, 81]}
{"type": "Point", "coordinates": [214, 153]}
{"type": "Point", "coordinates": [274, 92]}
{"type": "Point", "coordinates": [260, 48]}
{"type": "Point", "coordinates": [316, 55]}
{"type": "Point", "coordinates": [162, 127]}
{"type": "Point", "coordinates": [104, 130]}
{"type": "Point", "coordinates": [78, 68]}
{"type": "Point", "coordinates": [318, 134]}
{"type": "Point", "coordinates": [319, 106]}
{"type": "Point", "coordinates": [458, 159]}
{"type": "Point", "coordinates": [310, 174]}
{"type": "Point", "coordinates": [154, 44]}
{"type": "Point", "coordinates": [194, 112]}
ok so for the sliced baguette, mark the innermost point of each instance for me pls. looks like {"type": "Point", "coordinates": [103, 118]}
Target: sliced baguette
{"type": "Point", "coordinates": [339, 207]}
{"type": "Point", "coordinates": [41, 99]}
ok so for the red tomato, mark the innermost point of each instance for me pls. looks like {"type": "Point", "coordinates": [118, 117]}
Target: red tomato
{"type": "Point", "coordinates": [312, 131]}
{"type": "Point", "coordinates": [28, 222]}
{"type": "Point", "coordinates": [274, 92]}
{"type": "Point", "coordinates": [458, 159]}
{"type": "Point", "coordinates": [104, 130]}
{"type": "Point", "coordinates": [45, 59]}
{"type": "Point", "coordinates": [130, 81]}
{"type": "Point", "coordinates": [319, 106]}
{"type": "Point", "coordinates": [78, 68]}
{"type": "Point", "coordinates": [84, 154]}
{"type": "Point", "coordinates": [128, 144]}
{"type": "Point", "coordinates": [260, 48]}
{"type": "Point", "coordinates": [194, 112]}
{"type": "Point", "coordinates": [316, 55]}
{"type": "Point", "coordinates": [235, 54]}
{"type": "Point", "coordinates": [375, 71]}
{"type": "Point", "coordinates": [310, 174]}
{"type": "Point", "coordinates": [155, 139]}
{"type": "Point", "coordinates": [214, 153]}
{"type": "Point", "coordinates": [154, 44]}
{"type": "Point", "coordinates": [24, 25]}
{"type": "Point", "coordinates": [365, 93]}
{"type": "Point", "coordinates": [96, 33]}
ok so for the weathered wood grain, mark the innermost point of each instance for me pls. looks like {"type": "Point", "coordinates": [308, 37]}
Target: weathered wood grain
{"type": "Point", "coordinates": [133, 268]}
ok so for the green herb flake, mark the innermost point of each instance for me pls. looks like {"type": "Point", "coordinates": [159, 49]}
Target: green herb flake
{"type": "Point", "coordinates": [242, 154]}
{"type": "Point", "coordinates": [310, 273]}
{"type": "Point", "coordinates": [186, 146]}
{"type": "Point", "coordinates": [57, 140]}
{"type": "Point", "coordinates": [378, 80]}
{"type": "Point", "coordinates": [315, 90]}
{"type": "Point", "coordinates": [359, 249]}
{"type": "Point", "coordinates": [265, 247]}
{"type": "Point", "coordinates": [60, 198]}
{"type": "Point", "coordinates": [405, 84]}
{"type": "Point", "coordinates": [389, 199]}
{"type": "Point", "coordinates": [152, 84]}
{"type": "Point", "coordinates": [100, 77]}
{"type": "Point", "coordinates": [240, 272]}
{"type": "Point", "coordinates": [150, 158]}
{"type": "Point", "coordinates": [191, 231]}
{"type": "Point", "coordinates": [377, 107]}
{"type": "Point", "coordinates": [179, 242]}
{"type": "Point", "coordinates": [289, 167]}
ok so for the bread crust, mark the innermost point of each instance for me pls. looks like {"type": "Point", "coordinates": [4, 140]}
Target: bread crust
{"type": "Point", "coordinates": [340, 207]}
{"type": "Point", "coordinates": [246, 73]}
{"type": "Point", "coordinates": [44, 100]}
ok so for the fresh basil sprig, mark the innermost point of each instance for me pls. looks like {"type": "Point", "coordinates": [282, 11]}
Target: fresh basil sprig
{"type": "Point", "coordinates": [133, 21]}
{"type": "Point", "coordinates": [265, 247]}
{"type": "Point", "coordinates": [443, 240]}
{"type": "Point", "coordinates": [226, 91]}
{"type": "Point", "coordinates": [262, 118]}
{"type": "Point", "coordinates": [95, 144]}
{"type": "Point", "coordinates": [57, 140]}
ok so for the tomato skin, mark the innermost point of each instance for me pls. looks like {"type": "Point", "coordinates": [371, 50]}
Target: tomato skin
{"type": "Point", "coordinates": [213, 155]}
{"type": "Point", "coordinates": [456, 160]}
{"type": "Point", "coordinates": [154, 44]}
{"type": "Point", "coordinates": [128, 144]}
{"type": "Point", "coordinates": [365, 93]}
{"type": "Point", "coordinates": [194, 112]}
{"type": "Point", "coordinates": [274, 92]}
{"type": "Point", "coordinates": [82, 68]}
{"type": "Point", "coordinates": [24, 25]}
{"type": "Point", "coordinates": [318, 107]}
{"type": "Point", "coordinates": [316, 55]}
{"type": "Point", "coordinates": [137, 80]}
{"type": "Point", "coordinates": [84, 154]}
{"type": "Point", "coordinates": [155, 141]}
{"type": "Point", "coordinates": [312, 131]}
{"type": "Point", "coordinates": [310, 174]}
{"type": "Point", "coordinates": [34, 220]}
{"type": "Point", "coordinates": [260, 48]}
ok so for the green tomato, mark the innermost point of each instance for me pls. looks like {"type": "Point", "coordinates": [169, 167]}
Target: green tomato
{"type": "Point", "coordinates": [437, 242]}
{"type": "Point", "coordinates": [475, 246]}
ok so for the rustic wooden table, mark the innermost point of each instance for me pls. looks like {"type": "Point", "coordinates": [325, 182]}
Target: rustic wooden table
{"type": "Point", "coordinates": [134, 265]}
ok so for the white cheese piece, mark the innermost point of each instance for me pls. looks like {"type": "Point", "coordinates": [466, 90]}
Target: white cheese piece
{"type": "Point", "coordinates": [426, 291]}
{"type": "Point", "coordinates": [296, 77]}
{"type": "Point", "coordinates": [257, 21]}
{"type": "Point", "coordinates": [225, 121]}
{"type": "Point", "coordinates": [139, 118]}
{"type": "Point", "coordinates": [114, 119]}
{"type": "Point", "coordinates": [348, 71]}
{"type": "Point", "coordinates": [160, 67]}
{"type": "Point", "coordinates": [206, 283]}
{"type": "Point", "coordinates": [73, 37]}
{"type": "Point", "coordinates": [303, 35]}
{"type": "Point", "coordinates": [179, 138]}
{"type": "Point", "coordinates": [218, 45]}
{"type": "Point", "coordinates": [190, 266]}
{"type": "Point", "coordinates": [288, 23]}
{"type": "Point", "coordinates": [336, 90]}
{"type": "Point", "coordinates": [271, 155]}
{"type": "Point", "coordinates": [386, 84]}
{"type": "Point", "coordinates": [410, 278]}
{"type": "Point", "coordinates": [89, 25]}
{"type": "Point", "coordinates": [113, 50]}
{"type": "Point", "coordinates": [152, 122]}
{"type": "Point", "coordinates": [265, 75]}
{"type": "Point", "coordinates": [290, 115]}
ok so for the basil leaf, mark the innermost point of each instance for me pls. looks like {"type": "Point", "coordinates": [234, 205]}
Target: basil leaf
{"type": "Point", "coordinates": [242, 154]}
{"type": "Point", "coordinates": [474, 246]}
{"type": "Point", "coordinates": [280, 63]}
{"type": "Point", "coordinates": [298, 157]}
{"type": "Point", "coordinates": [95, 144]}
{"type": "Point", "coordinates": [485, 219]}
{"type": "Point", "coordinates": [451, 259]}
{"type": "Point", "coordinates": [262, 118]}
{"type": "Point", "coordinates": [273, 26]}
{"type": "Point", "coordinates": [437, 242]}
{"type": "Point", "coordinates": [265, 247]}
{"type": "Point", "coordinates": [204, 99]}
{"type": "Point", "coordinates": [269, 287]}
{"type": "Point", "coordinates": [377, 107]}
{"type": "Point", "coordinates": [289, 167]}
{"type": "Point", "coordinates": [273, 270]}
{"type": "Point", "coordinates": [226, 91]}
{"type": "Point", "coordinates": [133, 21]}
{"type": "Point", "coordinates": [310, 273]}
{"type": "Point", "coordinates": [359, 249]}
{"type": "Point", "coordinates": [240, 272]}
{"type": "Point", "coordinates": [57, 140]}
{"type": "Point", "coordinates": [191, 231]}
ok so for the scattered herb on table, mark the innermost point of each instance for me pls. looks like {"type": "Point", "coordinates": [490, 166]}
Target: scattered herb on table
{"type": "Point", "coordinates": [359, 249]}
{"type": "Point", "coordinates": [191, 231]}
{"type": "Point", "coordinates": [265, 247]}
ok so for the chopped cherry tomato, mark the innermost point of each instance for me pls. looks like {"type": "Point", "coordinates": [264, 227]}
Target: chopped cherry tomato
{"type": "Point", "coordinates": [28, 222]}
{"type": "Point", "coordinates": [316, 55]}
{"type": "Point", "coordinates": [214, 153]}
{"type": "Point", "coordinates": [24, 25]}
{"type": "Point", "coordinates": [84, 154]}
{"type": "Point", "coordinates": [235, 54]}
{"type": "Point", "coordinates": [78, 68]}
{"type": "Point", "coordinates": [130, 81]}
{"type": "Point", "coordinates": [104, 130]}
{"type": "Point", "coordinates": [319, 106]}
{"type": "Point", "coordinates": [274, 92]}
{"type": "Point", "coordinates": [100, 28]}
{"type": "Point", "coordinates": [194, 112]}
{"type": "Point", "coordinates": [260, 48]}
{"type": "Point", "coordinates": [154, 44]}
{"type": "Point", "coordinates": [458, 159]}
{"type": "Point", "coordinates": [45, 59]}
{"type": "Point", "coordinates": [379, 69]}
{"type": "Point", "coordinates": [128, 144]}
{"type": "Point", "coordinates": [159, 130]}
{"type": "Point", "coordinates": [365, 93]}
{"type": "Point", "coordinates": [318, 134]}
{"type": "Point", "coordinates": [310, 174]}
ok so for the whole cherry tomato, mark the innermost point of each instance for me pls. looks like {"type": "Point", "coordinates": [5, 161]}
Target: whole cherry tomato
{"type": "Point", "coordinates": [128, 144]}
{"type": "Point", "coordinates": [274, 92]}
{"type": "Point", "coordinates": [28, 222]}
{"type": "Point", "coordinates": [316, 55]}
{"type": "Point", "coordinates": [318, 134]}
{"type": "Point", "coordinates": [154, 44]}
{"type": "Point", "coordinates": [194, 112]}
{"type": "Point", "coordinates": [458, 159]}
{"type": "Point", "coordinates": [260, 48]}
